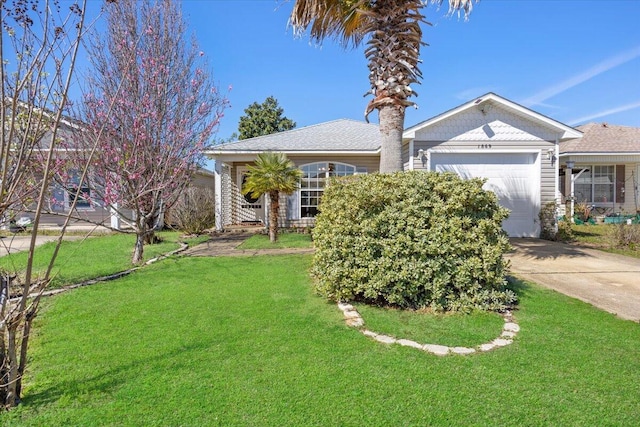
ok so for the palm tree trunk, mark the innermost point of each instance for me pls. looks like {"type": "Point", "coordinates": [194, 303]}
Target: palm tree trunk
{"type": "Point", "coordinates": [274, 206]}
{"type": "Point", "coordinates": [391, 128]}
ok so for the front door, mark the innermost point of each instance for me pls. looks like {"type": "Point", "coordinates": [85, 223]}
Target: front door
{"type": "Point", "coordinates": [249, 209]}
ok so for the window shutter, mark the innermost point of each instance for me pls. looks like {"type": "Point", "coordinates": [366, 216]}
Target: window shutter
{"type": "Point", "coordinates": [620, 183]}
{"type": "Point", "coordinates": [293, 210]}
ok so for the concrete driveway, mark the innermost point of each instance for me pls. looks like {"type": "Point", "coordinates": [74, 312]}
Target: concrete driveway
{"type": "Point", "coordinates": [12, 244]}
{"type": "Point", "coordinates": [607, 281]}
{"type": "Point", "coordinates": [19, 243]}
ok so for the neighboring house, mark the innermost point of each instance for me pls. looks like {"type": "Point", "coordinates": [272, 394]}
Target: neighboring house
{"type": "Point", "coordinates": [516, 149]}
{"type": "Point", "coordinates": [605, 166]}
{"type": "Point", "coordinates": [203, 178]}
{"type": "Point", "coordinates": [90, 209]}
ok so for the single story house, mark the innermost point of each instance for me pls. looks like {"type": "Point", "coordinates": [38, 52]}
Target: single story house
{"type": "Point", "coordinates": [336, 148]}
{"type": "Point", "coordinates": [604, 168]}
{"type": "Point", "coordinates": [518, 151]}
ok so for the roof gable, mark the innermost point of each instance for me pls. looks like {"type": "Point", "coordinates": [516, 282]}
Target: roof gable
{"type": "Point", "coordinates": [342, 135]}
{"type": "Point", "coordinates": [490, 117]}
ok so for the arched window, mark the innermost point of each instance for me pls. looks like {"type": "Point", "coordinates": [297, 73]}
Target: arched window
{"type": "Point", "coordinates": [314, 180]}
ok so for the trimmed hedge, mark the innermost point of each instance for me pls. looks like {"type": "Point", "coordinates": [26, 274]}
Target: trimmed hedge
{"type": "Point", "coordinates": [412, 240]}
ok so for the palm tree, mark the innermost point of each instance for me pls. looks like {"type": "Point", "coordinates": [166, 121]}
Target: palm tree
{"type": "Point", "coordinates": [272, 174]}
{"type": "Point", "coordinates": [392, 28]}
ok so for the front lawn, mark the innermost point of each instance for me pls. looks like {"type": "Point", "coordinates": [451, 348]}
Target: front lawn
{"type": "Point", "coordinates": [244, 342]}
{"type": "Point", "coordinates": [84, 259]}
{"type": "Point", "coordinates": [599, 236]}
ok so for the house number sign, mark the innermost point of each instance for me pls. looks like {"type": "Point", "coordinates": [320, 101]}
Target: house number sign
{"type": "Point", "coordinates": [484, 145]}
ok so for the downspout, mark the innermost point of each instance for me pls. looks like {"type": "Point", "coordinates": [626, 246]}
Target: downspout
{"type": "Point", "coordinates": [411, 167]}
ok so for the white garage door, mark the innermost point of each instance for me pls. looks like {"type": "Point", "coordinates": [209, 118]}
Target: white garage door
{"type": "Point", "coordinates": [513, 177]}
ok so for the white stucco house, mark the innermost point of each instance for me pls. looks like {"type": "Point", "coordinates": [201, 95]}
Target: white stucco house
{"type": "Point", "coordinates": [519, 151]}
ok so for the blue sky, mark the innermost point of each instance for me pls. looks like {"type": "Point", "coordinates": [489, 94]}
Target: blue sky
{"type": "Point", "coordinates": [574, 61]}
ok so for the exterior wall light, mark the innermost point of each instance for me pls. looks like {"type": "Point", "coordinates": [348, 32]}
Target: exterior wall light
{"type": "Point", "coordinates": [550, 153]}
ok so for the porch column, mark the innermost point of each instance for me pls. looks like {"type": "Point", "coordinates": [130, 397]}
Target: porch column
{"type": "Point", "coordinates": [115, 218]}
{"type": "Point", "coordinates": [568, 187]}
{"type": "Point", "coordinates": [217, 174]}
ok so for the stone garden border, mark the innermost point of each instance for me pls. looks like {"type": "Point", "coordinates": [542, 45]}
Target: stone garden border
{"type": "Point", "coordinates": [183, 247]}
{"type": "Point", "coordinates": [509, 331]}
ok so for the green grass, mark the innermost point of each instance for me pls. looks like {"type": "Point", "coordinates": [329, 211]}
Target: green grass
{"type": "Point", "coordinates": [244, 342]}
{"type": "Point", "coordinates": [84, 259]}
{"type": "Point", "coordinates": [592, 234]}
{"type": "Point", "coordinates": [285, 240]}
{"type": "Point", "coordinates": [597, 236]}
{"type": "Point", "coordinates": [427, 328]}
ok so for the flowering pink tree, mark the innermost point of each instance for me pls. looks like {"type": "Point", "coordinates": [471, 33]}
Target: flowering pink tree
{"type": "Point", "coordinates": [151, 109]}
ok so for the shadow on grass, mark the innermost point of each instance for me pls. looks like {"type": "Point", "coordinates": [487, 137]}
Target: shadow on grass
{"type": "Point", "coordinates": [519, 287]}
{"type": "Point", "coordinates": [580, 233]}
{"type": "Point", "coordinates": [106, 381]}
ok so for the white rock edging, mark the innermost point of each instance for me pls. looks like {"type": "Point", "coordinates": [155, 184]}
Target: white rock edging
{"type": "Point", "coordinates": [183, 247]}
{"type": "Point", "coordinates": [509, 331]}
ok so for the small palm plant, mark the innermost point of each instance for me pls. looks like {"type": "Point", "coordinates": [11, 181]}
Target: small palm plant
{"type": "Point", "coordinates": [272, 174]}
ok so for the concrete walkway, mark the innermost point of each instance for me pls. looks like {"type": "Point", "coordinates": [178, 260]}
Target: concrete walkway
{"type": "Point", "coordinates": [608, 281]}
{"type": "Point", "coordinates": [225, 244]}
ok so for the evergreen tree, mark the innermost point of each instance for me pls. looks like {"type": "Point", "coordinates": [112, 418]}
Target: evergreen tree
{"type": "Point", "coordinates": [264, 119]}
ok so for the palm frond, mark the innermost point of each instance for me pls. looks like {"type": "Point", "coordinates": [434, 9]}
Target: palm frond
{"type": "Point", "coordinates": [272, 172]}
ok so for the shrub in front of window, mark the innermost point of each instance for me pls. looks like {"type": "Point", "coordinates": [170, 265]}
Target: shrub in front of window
{"type": "Point", "coordinates": [412, 240]}
{"type": "Point", "coordinates": [193, 212]}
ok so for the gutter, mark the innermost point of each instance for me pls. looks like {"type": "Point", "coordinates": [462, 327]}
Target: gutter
{"type": "Point", "coordinates": [601, 153]}
{"type": "Point", "coordinates": [314, 152]}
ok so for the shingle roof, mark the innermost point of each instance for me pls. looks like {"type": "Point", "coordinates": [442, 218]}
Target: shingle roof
{"type": "Point", "coordinates": [338, 135]}
{"type": "Point", "coordinates": [604, 138]}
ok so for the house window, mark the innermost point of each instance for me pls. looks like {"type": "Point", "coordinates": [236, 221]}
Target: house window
{"type": "Point", "coordinates": [83, 197]}
{"type": "Point", "coordinates": [74, 186]}
{"type": "Point", "coordinates": [314, 180]}
{"type": "Point", "coordinates": [596, 185]}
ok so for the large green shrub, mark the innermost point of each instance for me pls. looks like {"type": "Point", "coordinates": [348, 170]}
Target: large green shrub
{"type": "Point", "coordinates": [548, 221]}
{"type": "Point", "coordinates": [412, 239]}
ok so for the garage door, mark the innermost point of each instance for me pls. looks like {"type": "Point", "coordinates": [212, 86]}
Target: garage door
{"type": "Point", "coordinates": [514, 177]}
